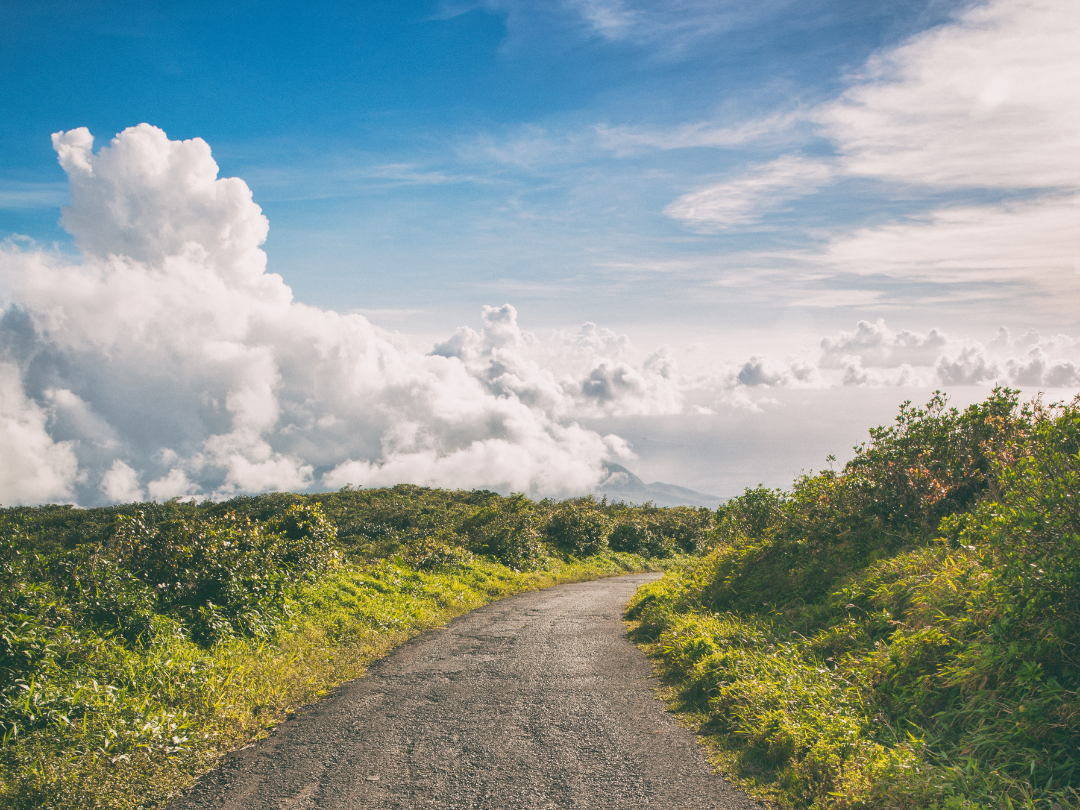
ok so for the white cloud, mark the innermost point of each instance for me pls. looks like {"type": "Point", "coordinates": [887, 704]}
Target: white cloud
{"type": "Point", "coordinates": [170, 356]}
{"type": "Point", "coordinates": [668, 27]}
{"type": "Point", "coordinates": [1035, 242]}
{"type": "Point", "coordinates": [762, 372]}
{"type": "Point", "coordinates": [173, 485]}
{"type": "Point", "coordinates": [971, 366]}
{"type": "Point", "coordinates": [36, 468]}
{"type": "Point", "coordinates": [991, 99]}
{"type": "Point", "coordinates": [1038, 369]}
{"type": "Point", "coordinates": [986, 104]}
{"type": "Point", "coordinates": [624, 140]}
{"type": "Point", "coordinates": [988, 101]}
{"type": "Point", "coordinates": [874, 356]}
{"type": "Point", "coordinates": [593, 380]}
{"type": "Point", "coordinates": [742, 201]}
{"type": "Point", "coordinates": [856, 375]}
{"type": "Point", "coordinates": [874, 344]}
{"type": "Point", "coordinates": [120, 484]}
{"type": "Point", "coordinates": [16, 195]}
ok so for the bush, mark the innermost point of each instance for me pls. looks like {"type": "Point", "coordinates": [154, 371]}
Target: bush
{"type": "Point", "coordinates": [579, 526]}
{"type": "Point", "coordinates": [637, 535]}
{"type": "Point", "coordinates": [507, 530]}
{"type": "Point", "coordinates": [902, 633]}
{"type": "Point", "coordinates": [225, 574]}
{"type": "Point", "coordinates": [688, 529]}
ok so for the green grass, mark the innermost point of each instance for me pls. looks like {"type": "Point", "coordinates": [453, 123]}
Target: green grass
{"type": "Point", "coordinates": [129, 725]}
{"type": "Point", "coordinates": [902, 634]}
{"type": "Point", "coordinates": [140, 642]}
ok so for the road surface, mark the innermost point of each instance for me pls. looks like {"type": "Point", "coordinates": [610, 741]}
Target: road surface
{"type": "Point", "coordinates": [536, 701]}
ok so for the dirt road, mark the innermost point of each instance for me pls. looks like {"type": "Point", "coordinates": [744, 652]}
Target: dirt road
{"type": "Point", "coordinates": [537, 701]}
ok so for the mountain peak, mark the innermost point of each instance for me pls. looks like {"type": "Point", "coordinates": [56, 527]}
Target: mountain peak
{"type": "Point", "coordinates": [622, 485]}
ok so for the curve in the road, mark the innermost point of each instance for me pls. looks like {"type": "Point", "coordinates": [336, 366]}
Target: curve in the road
{"type": "Point", "coordinates": [536, 701]}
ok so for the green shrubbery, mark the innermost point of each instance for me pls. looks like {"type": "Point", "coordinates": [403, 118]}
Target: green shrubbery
{"type": "Point", "coordinates": [903, 633]}
{"type": "Point", "coordinates": [139, 642]}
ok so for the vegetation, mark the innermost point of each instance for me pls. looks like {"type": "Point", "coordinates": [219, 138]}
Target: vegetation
{"type": "Point", "coordinates": [900, 634]}
{"type": "Point", "coordinates": [138, 643]}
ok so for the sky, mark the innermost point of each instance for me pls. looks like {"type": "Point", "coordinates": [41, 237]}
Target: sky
{"type": "Point", "coordinates": [264, 246]}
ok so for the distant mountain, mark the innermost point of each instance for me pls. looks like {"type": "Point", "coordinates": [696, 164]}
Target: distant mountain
{"type": "Point", "coordinates": [623, 485]}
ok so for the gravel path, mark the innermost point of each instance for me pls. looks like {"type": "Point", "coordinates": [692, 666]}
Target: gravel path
{"type": "Point", "coordinates": [536, 701]}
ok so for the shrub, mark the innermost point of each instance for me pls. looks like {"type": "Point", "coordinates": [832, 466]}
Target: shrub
{"type": "Point", "coordinates": [507, 530]}
{"type": "Point", "coordinates": [225, 574]}
{"type": "Point", "coordinates": [902, 633]}
{"type": "Point", "coordinates": [688, 529]}
{"type": "Point", "coordinates": [579, 526]}
{"type": "Point", "coordinates": [638, 535]}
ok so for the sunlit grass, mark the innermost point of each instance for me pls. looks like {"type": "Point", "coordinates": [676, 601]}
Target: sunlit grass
{"type": "Point", "coordinates": [904, 634]}
{"type": "Point", "coordinates": [129, 726]}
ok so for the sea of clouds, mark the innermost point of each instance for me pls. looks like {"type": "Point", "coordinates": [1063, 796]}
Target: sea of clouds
{"type": "Point", "coordinates": [165, 361]}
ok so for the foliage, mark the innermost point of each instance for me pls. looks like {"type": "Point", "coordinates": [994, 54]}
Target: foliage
{"type": "Point", "coordinates": [579, 526]}
{"type": "Point", "coordinates": [140, 642]}
{"type": "Point", "coordinates": [661, 532]}
{"type": "Point", "coordinates": [900, 634]}
{"type": "Point", "coordinates": [507, 530]}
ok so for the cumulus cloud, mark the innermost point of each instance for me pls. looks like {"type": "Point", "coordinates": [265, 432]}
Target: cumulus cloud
{"type": "Point", "coordinates": [874, 355]}
{"type": "Point", "coordinates": [874, 344]}
{"type": "Point", "coordinates": [169, 363]}
{"type": "Point", "coordinates": [596, 382]}
{"type": "Point", "coordinates": [36, 468]}
{"type": "Point", "coordinates": [762, 371]}
{"type": "Point", "coordinates": [1040, 370]}
{"type": "Point", "coordinates": [856, 375]}
{"type": "Point", "coordinates": [742, 201]}
{"type": "Point", "coordinates": [970, 366]}
{"type": "Point", "coordinates": [120, 484]}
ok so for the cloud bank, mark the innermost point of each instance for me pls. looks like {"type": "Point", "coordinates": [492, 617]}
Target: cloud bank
{"type": "Point", "coordinates": [876, 356]}
{"type": "Point", "coordinates": [168, 362]}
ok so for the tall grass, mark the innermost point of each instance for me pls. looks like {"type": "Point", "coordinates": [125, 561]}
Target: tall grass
{"type": "Point", "coordinates": [901, 634]}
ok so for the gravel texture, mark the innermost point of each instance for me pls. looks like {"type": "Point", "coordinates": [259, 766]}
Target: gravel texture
{"type": "Point", "coordinates": [536, 701]}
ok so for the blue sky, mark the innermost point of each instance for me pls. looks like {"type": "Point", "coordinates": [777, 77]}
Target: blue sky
{"type": "Point", "coordinates": [413, 149]}
{"type": "Point", "coordinates": [785, 200]}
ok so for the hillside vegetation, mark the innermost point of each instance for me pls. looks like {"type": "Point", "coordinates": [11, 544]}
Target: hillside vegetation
{"type": "Point", "coordinates": [902, 633]}
{"type": "Point", "coordinates": [138, 643]}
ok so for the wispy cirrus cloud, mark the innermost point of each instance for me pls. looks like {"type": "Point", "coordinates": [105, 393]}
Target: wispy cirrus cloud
{"type": "Point", "coordinates": [626, 140]}
{"type": "Point", "coordinates": [668, 29]}
{"type": "Point", "coordinates": [990, 100]}
{"type": "Point", "coordinates": [985, 107]}
{"type": "Point", "coordinates": [1035, 241]}
{"type": "Point", "coordinates": [744, 201]}
{"type": "Point", "coordinates": [673, 25]}
{"type": "Point", "coordinates": [15, 195]}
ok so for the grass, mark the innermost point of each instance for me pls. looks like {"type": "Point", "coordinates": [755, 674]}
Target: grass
{"type": "Point", "coordinates": [131, 725]}
{"type": "Point", "coordinates": [140, 642]}
{"type": "Point", "coordinates": [902, 634]}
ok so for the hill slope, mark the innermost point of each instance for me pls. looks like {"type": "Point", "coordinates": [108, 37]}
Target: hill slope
{"type": "Point", "coordinates": [623, 485]}
{"type": "Point", "coordinates": [901, 634]}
